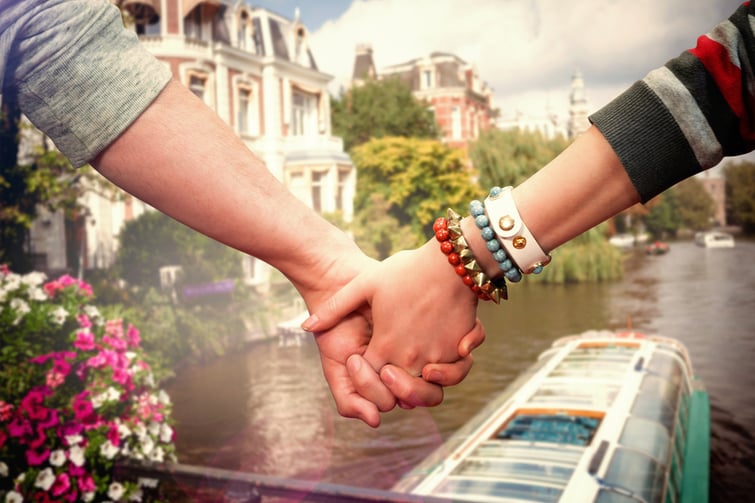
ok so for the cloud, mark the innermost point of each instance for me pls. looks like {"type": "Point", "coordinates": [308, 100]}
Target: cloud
{"type": "Point", "coordinates": [526, 50]}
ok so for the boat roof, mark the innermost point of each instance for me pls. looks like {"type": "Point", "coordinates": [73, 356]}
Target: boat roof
{"type": "Point", "coordinates": [594, 408]}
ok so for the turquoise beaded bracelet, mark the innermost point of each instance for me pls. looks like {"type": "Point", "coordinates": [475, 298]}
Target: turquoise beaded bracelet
{"type": "Point", "coordinates": [477, 209]}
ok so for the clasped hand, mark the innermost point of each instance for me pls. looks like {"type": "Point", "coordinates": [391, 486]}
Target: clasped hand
{"type": "Point", "coordinates": [395, 334]}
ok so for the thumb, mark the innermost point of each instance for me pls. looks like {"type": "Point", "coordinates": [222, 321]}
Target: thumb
{"type": "Point", "coordinates": [356, 293]}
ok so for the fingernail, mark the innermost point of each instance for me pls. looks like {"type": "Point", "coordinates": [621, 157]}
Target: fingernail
{"type": "Point", "coordinates": [432, 376]}
{"type": "Point", "coordinates": [353, 364]}
{"type": "Point", "coordinates": [388, 376]}
{"type": "Point", "coordinates": [310, 322]}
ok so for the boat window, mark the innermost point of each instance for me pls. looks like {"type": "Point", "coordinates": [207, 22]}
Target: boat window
{"type": "Point", "coordinates": [637, 473]}
{"type": "Point", "coordinates": [646, 436]}
{"type": "Point", "coordinates": [667, 366]}
{"type": "Point", "coordinates": [557, 428]}
{"type": "Point", "coordinates": [477, 489]}
{"type": "Point", "coordinates": [599, 395]}
{"type": "Point", "coordinates": [504, 469]}
{"type": "Point", "coordinates": [656, 401]}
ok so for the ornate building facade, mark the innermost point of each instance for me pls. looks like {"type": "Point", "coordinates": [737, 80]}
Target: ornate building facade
{"type": "Point", "coordinates": [255, 69]}
{"type": "Point", "coordinates": [460, 101]}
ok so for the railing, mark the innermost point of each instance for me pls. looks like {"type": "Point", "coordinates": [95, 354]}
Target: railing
{"type": "Point", "coordinates": [214, 484]}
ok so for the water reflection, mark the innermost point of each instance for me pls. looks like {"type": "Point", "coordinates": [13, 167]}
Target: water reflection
{"type": "Point", "coordinates": [268, 410]}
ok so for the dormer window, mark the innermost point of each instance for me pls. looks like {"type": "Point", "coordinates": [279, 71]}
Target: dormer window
{"type": "Point", "coordinates": [245, 31]}
{"type": "Point", "coordinates": [145, 14]}
{"type": "Point", "coordinates": [428, 80]}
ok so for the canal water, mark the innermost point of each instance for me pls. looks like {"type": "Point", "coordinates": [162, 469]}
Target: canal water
{"type": "Point", "coordinates": [268, 410]}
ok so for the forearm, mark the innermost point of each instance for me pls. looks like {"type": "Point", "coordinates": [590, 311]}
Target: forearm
{"type": "Point", "coordinates": [580, 188]}
{"type": "Point", "coordinates": [182, 159]}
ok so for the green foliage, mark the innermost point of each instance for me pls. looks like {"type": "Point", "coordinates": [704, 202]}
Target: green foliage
{"type": "Point", "coordinates": [695, 205]}
{"type": "Point", "coordinates": [155, 240]}
{"type": "Point", "coordinates": [411, 181]}
{"type": "Point", "coordinates": [740, 194]}
{"type": "Point", "coordinates": [663, 218]}
{"type": "Point", "coordinates": [587, 258]}
{"type": "Point", "coordinates": [509, 157]}
{"type": "Point", "coordinates": [378, 109]}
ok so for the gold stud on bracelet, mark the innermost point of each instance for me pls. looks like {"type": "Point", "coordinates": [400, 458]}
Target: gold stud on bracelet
{"type": "Point", "coordinates": [506, 223]}
{"type": "Point", "coordinates": [519, 242]}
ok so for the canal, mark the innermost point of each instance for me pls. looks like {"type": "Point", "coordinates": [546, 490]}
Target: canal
{"type": "Point", "coordinates": [268, 410]}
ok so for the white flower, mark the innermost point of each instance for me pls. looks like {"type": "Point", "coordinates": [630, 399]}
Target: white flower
{"type": "Point", "coordinates": [37, 294]}
{"type": "Point", "coordinates": [13, 497]}
{"type": "Point", "coordinates": [98, 400]}
{"type": "Point", "coordinates": [150, 380]}
{"type": "Point", "coordinates": [34, 278]}
{"type": "Point", "coordinates": [115, 490]}
{"type": "Point", "coordinates": [21, 307]}
{"type": "Point", "coordinates": [45, 479]}
{"type": "Point", "coordinates": [123, 430]}
{"type": "Point", "coordinates": [163, 397]}
{"type": "Point", "coordinates": [12, 282]}
{"type": "Point", "coordinates": [140, 430]}
{"type": "Point", "coordinates": [57, 457]}
{"type": "Point", "coordinates": [154, 428]}
{"type": "Point", "coordinates": [76, 455]}
{"type": "Point", "coordinates": [108, 450]}
{"type": "Point", "coordinates": [157, 455]}
{"type": "Point", "coordinates": [74, 439]}
{"type": "Point", "coordinates": [93, 313]}
{"type": "Point", "coordinates": [166, 433]}
{"type": "Point", "coordinates": [88, 496]}
{"type": "Point", "coordinates": [59, 315]}
{"type": "Point", "coordinates": [3, 469]}
{"type": "Point", "coordinates": [130, 355]}
{"type": "Point", "coordinates": [147, 445]}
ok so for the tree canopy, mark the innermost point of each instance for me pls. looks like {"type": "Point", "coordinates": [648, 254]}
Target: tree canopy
{"type": "Point", "coordinates": [381, 108]}
{"type": "Point", "coordinates": [412, 181]}
{"type": "Point", "coordinates": [740, 194]}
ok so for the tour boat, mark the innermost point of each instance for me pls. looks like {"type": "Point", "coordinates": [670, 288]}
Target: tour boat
{"type": "Point", "coordinates": [714, 239]}
{"type": "Point", "coordinates": [600, 417]}
{"type": "Point", "coordinates": [657, 248]}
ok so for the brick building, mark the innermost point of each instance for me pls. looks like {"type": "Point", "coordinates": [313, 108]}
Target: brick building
{"type": "Point", "coordinates": [460, 101]}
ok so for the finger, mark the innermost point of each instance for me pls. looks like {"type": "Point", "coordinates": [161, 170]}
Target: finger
{"type": "Point", "coordinates": [473, 339]}
{"type": "Point", "coordinates": [368, 384]}
{"type": "Point", "coordinates": [357, 292]}
{"type": "Point", "coordinates": [448, 374]}
{"type": "Point", "coordinates": [409, 390]}
{"type": "Point", "coordinates": [349, 402]}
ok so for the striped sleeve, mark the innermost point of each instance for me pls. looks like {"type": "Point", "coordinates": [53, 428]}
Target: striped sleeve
{"type": "Point", "coordinates": [686, 116]}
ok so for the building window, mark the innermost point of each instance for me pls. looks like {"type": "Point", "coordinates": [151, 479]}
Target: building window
{"type": "Point", "coordinates": [245, 96]}
{"type": "Point", "coordinates": [245, 31]}
{"type": "Point", "coordinates": [427, 79]}
{"type": "Point", "coordinates": [455, 123]}
{"type": "Point", "coordinates": [247, 120]}
{"type": "Point", "coordinates": [193, 23]}
{"type": "Point", "coordinates": [303, 114]}
{"type": "Point", "coordinates": [318, 177]}
{"type": "Point", "coordinates": [197, 85]}
{"type": "Point", "coordinates": [343, 180]}
{"type": "Point", "coordinates": [146, 20]}
{"type": "Point", "coordinates": [259, 46]}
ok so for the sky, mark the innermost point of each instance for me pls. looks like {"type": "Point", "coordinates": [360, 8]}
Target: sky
{"type": "Point", "coordinates": [525, 50]}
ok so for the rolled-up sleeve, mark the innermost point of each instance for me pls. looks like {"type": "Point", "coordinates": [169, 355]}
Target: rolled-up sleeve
{"type": "Point", "coordinates": [80, 76]}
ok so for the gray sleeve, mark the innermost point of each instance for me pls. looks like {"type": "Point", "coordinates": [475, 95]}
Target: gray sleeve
{"type": "Point", "coordinates": [81, 77]}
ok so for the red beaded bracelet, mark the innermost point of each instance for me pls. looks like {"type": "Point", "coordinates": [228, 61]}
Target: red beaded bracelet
{"type": "Point", "coordinates": [454, 246]}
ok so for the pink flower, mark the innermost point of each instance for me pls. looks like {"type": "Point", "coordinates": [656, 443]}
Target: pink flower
{"type": "Point", "coordinates": [84, 340]}
{"type": "Point", "coordinates": [132, 335]}
{"type": "Point", "coordinates": [32, 405]}
{"type": "Point", "coordinates": [19, 427]}
{"type": "Point", "coordinates": [54, 379]}
{"type": "Point", "coordinates": [115, 342]}
{"type": "Point", "coordinates": [86, 484]}
{"type": "Point", "coordinates": [62, 484]}
{"type": "Point", "coordinates": [35, 458]}
{"type": "Point", "coordinates": [82, 407]}
{"type": "Point", "coordinates": [84, 321]}
{"type": "Point", "coordinates": [50, 421]}
{"type": "Point", "coordinates": [6, 410]}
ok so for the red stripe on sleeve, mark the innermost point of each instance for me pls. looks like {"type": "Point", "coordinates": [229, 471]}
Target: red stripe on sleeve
{"type": "Point", "coordinates": [728, 78]}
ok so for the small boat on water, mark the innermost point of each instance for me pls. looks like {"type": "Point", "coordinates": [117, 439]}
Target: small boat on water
{"type": "Point", "coordinates": [714, 239]}
{"type": "Point", "coordinates": [600, 417]}
{"type": "Point", "coordinates": [657, 248]}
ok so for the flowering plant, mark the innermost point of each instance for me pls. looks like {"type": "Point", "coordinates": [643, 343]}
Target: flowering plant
{"type": "Point", "coordinates": [76, 394]}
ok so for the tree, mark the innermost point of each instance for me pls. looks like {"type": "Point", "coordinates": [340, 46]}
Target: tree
{"type": "Point", "coordinates": [740, 194]}
{"type": "Point", "coordinates": [155, 240]}
{"type": "Point", "coordinates": [663, 218]}
{"type": "Point", "coordinates": [378, 109]}
{"type": "Point", "coordinates": [412, 181]}
{"type": "Point", "coordinates": [509, 157]}
{"type": "Point", "coordinates": [49, 180]}
{"type": "Point", "coordinates": [695, 205]}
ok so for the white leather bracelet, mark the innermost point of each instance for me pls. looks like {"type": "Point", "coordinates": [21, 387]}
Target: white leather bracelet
{"type": "Point", "coordinates": [517, 240]}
